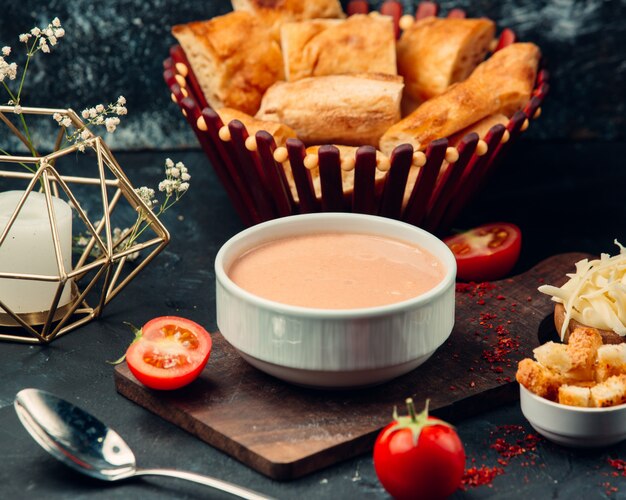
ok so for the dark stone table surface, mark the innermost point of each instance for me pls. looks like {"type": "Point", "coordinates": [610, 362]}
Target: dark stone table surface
{"type": "Point", "coordinates": [564, 196]}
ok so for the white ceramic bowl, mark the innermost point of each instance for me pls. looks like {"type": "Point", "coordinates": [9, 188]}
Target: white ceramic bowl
{"type": "Point", "coordinates": [334, 348]}
{"type": "Point", "coordinates": [573, 426]}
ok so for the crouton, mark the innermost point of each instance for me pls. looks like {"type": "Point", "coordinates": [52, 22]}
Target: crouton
{"type": "Point", "coordinates": [574, 395]}
{"type": "Point", "coordinates": [538, 379]}
{"type": "Point", "coordinates": [554, 356]}
{"type": "Point", "coordinates": [583, 347]}
{"type": "Point", "coordinates": [611, 361]}
{"type": "Point", "coordinates": [611, 392]}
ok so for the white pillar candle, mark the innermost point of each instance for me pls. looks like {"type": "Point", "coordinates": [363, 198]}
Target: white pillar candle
{"type": "Point", "coordinates": [29, 249]}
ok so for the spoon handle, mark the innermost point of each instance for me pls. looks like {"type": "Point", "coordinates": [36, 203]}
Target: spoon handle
{"type": "Point", "coordinates": [205, 480]}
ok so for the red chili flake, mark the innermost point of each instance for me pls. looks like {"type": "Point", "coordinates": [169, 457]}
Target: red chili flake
{"type": "Point", "coordinates": [480, 302]}
{"type": "Point", "coordinates": [453, 388]}
{"type": "Point", "coordinates": [618, 464]}
{"type": "Point", "coordinates": [500, 297]}
{"type": "Point", "coordinates": [472, 384]}
{"type": "Point", "coordinates": [609, 489]}
{"type": "Point", "coordinates": [541, 280]}
{"type": "Point", "coordinates": [529, 298]}
{"type": "Point", "coordinates": [480, 476]}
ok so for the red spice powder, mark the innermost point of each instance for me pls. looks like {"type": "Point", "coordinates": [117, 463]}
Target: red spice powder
{"type": "Point", "coordinates": [619, 465]}
{"type": "Point", "coordinates": [510, 441]}
{"type": "Point", "coordinates": [480, 476]}
{"type": "Point", "coordinates": [503, 344]}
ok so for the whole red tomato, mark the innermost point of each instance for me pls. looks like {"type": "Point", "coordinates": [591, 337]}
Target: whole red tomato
{"type": "Point", "coordinates": [419, 457]}
{"type": "Point", "coordinates": [487, 252]}
{"type": "Point", "coordinates": [169, 352]}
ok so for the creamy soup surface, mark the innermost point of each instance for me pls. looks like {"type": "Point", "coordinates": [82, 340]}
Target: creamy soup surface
{"type": "Point", "coordinates": [337, 271]}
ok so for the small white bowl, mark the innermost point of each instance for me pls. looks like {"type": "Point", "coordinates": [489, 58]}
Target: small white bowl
{"type": "Point", "coordinates": [574, 426]}
{"type": "Point", "coordinates": [334, 348]}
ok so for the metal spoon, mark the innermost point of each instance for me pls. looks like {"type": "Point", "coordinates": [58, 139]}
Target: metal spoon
{"type": "Point", "coordinates": [83, 442]}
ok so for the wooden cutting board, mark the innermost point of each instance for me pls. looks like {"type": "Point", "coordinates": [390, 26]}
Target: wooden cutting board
{"type": "Point", "coordinates": [284, 431]}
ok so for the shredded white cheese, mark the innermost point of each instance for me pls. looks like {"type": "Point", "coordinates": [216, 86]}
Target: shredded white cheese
{"type": "Point", "coordinates": [595, 294]}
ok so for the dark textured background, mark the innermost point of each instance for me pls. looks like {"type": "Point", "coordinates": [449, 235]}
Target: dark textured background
{"type": "Point", "coordinates": [116, 47]}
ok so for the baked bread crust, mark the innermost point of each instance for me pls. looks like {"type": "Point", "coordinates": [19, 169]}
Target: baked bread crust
{"type": "Point", "coordinates": [481, 127]}
{"type": "Point", "coordinates": [279, 131]}
{"type": "Point", "coordinates": [437, 52]}
{"type": "Point", "coordinates": [359, 44]}
{"type": "Point", "coordinates": [501, 84]}
{"type": "Point", "coordinates": [354, 110]}
{"type": "Point", "coordinates": [274, 13]}
{"type": "Point", "coordinates": [234, 58]}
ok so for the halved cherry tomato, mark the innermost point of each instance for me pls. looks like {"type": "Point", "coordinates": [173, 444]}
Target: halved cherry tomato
{"type": "Point", "coordinates": [169, 352]}
{"type": "Point", "coordinates": [418, 456]}
{"type": "Point", "coordinates": [487, 252]}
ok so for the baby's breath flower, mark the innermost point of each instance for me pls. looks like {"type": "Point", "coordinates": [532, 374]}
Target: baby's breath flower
{"type": "Point", "coordinates": [43, 45]}
{"type": "Point", "coordinates": [7, 70]}
{"type": "Point", "coordinates": [85, 113]}
{"type": "Point", "coordinates": [59, 33]}
{"type": "Point", "coordinates": [82, 241]}
{"type": "Point", "coordinates": [66, 121]}
{"type": "Point", "coordinates": [85, 134]}
{"type": "Point", "coordinates": [99, 108]}
{"type": "Point", "coordinates": [174, 172]}
{"type": "Point", "coordinates": [52, 40]}
{"type": "Point", "coordinates": [165, 185]}
{"type": "Point", "coordinates": [17, 109]}
{"type": "Point", "coordinates": [57, 117]}
{"type": "Point", "coordinates": [183, 186]}
{"type": "Point", "coordinates": [6, 51]}
{"type": "Point", "coordinates": [35, 31]}
{"type": "Point", "coordinates": [111, 124]}
{"type": "Point", "coordinates": [56, 22]}
{"type": "Point", "coordinates": [24, 37]}
{"type": "Point", "coordinates": [147, 196]}
{"type": "Point", "coordinates": [121, 100]}
{"type": "Point", "coordinates": [185, 177]}
{"type": "Point", "coordinates": [169, 163]}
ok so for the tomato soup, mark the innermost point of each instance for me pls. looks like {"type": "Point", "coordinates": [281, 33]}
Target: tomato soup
{"type": "Point", "coordinates": [337, 270]}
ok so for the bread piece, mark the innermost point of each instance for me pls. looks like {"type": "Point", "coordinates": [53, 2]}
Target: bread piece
{"type": "Point", "coordinates": [611, 360]}
{"type": "Point", "coordinates": [554, 357]}
{"type": "Point", "coordinates": [481, 127]}
{"type": "Point", "coordinates": [501, 84]}
{"type": "Point", "coordinates": [583, 348]}
{"type": "Point", "coordinates": [280, 131]}
{"type": "Point", "coordinates": [611, 392]}
{"type": "Point", "coordinates": [574, 396]}
{"type": "Point", "coordinates": [359, 44]}
{"type": "Point", "coordinates": [437, 52]}
{"type": "Point", "coordinates": [510, 74]}
{"type": "Point", "coordinates": [337, 109]}
{"type": "Point", "coordinates": [347, 177]}
{"type": "Point", "coordinates": [273, 13]}
{"type": "Point", "coordinates": [234, 58]}
{"type": "Point", "coordinates": [538, 379]}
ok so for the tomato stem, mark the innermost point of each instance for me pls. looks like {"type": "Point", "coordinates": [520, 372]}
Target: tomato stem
{"type": "Point", "coordinates": [411, 408]}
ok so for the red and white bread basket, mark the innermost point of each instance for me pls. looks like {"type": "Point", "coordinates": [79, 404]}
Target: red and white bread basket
{"type": "Point", "coordinates": [257, 186]}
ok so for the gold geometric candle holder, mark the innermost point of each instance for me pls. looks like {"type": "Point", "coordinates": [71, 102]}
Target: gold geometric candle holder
{"type": "Point", "coordinates": [99, 199]}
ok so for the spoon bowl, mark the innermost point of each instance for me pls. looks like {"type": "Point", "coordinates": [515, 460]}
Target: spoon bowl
{"type": "Point", "coordinates": [81, 441]}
